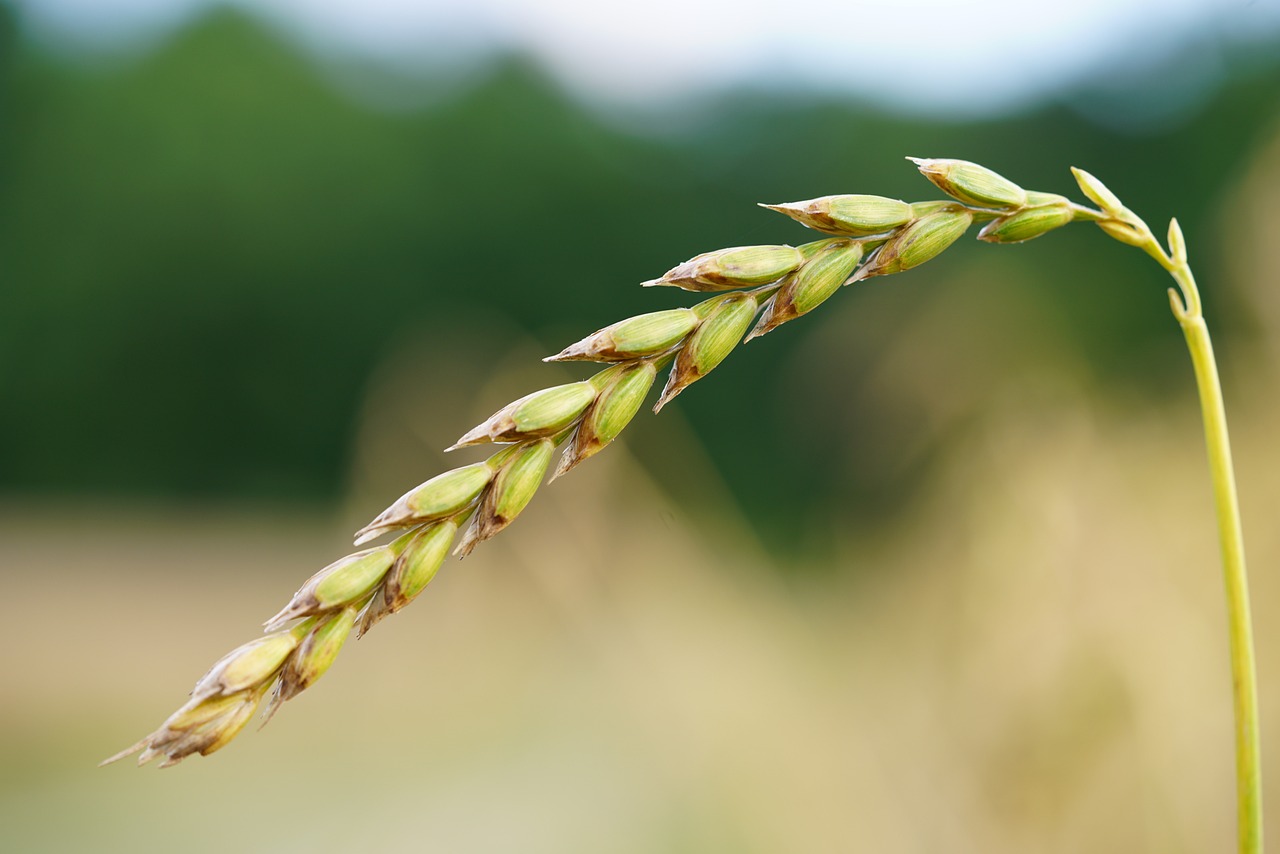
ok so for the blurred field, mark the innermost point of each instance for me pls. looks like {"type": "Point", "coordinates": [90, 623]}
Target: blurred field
{"type": "Point", "coordinates": [1037, 664]}
{"type": "Point", "coordinates": [933, 571]}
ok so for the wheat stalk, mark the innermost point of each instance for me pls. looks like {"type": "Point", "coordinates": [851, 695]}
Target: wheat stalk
{"type": "Point", "coordinates": [869, 236]}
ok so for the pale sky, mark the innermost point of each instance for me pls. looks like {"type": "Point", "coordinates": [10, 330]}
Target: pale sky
{"type": "Point", "coordinates": [927, 54]}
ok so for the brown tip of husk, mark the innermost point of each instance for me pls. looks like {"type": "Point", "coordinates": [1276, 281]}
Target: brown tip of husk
{"type": "Point", "coordinates": [573, 456]}
{"type": "Point", "coordinates": [274, 702]}
{"type": "Point", "coordinates": [477, 435]}
{"type": "Point", "coordinates": [128, 751]}
{"type": "Point", "coordinates": [471, 538]}
{"type": "Point", "coordinates": [396, 516]}
{"type": "Point", "coordinates": [466, 441]}
{"type": "Point", "coordinates": [783, 207]}
{"type": "Point", "coordinates": [376, 529]}
{"type": "Point", "coordinates": [568, 460]}
{"type": "Point", "coordinates": [866, 270]}
{"type": "Point", "coordinates": [764, 326]}
{"type": "Point", "coordinates": [374, 613]}
{"type": "Point", "coordinates": [288, 613]}
{"type": "Point", "coordinates": [668, 394]}
{"type": "Point", "coordinates": [770, 319]}
{"type": "Point", "coordinates": [149, 755]}
{"type": "Point", "coordinates": [573, 353]}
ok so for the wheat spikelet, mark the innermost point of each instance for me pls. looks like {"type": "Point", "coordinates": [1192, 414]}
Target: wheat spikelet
{"type": "Point", "coordinates": [757, 289]}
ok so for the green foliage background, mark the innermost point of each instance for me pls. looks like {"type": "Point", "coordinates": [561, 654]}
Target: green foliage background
{"type": "Point", "coordinates": [207, 248]}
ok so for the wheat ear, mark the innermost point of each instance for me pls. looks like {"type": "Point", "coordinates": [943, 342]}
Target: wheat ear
{"type": "Point", "coordinates": [769, 285]}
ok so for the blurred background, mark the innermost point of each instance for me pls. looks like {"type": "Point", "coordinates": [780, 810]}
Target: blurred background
{"type": "Point", "coordinates": [932, 570]}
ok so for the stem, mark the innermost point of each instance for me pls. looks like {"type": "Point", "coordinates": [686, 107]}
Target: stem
{"type": "Point", "coordinates": [1185, 302]}
{"type": "Point", "coordinates": [1243, 669]}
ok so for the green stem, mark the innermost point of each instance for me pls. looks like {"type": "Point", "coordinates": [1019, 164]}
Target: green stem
{"type": "Point", "coordinates": [1243, 669]}
{"type": "Point", "coordinates": [1185, 302]}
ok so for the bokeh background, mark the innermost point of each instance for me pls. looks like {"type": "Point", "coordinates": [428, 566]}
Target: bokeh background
{"type": "Point", "coordinates": [932, 570]}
